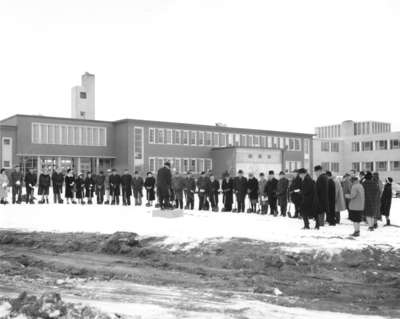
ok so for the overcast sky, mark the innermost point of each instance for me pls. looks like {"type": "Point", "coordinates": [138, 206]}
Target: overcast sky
{"type": "Point", "coordinates": [282, 65]}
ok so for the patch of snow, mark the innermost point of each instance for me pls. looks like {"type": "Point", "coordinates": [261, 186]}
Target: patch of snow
{"type": "Point", "coordinates": [196, 227]}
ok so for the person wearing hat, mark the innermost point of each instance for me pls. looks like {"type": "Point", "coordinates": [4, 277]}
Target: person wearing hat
{"type": "Point", "coordinates": [44, 185]}
{"type": "Point", "coordinates": [356, 204]}
{"type": "Point", "coordinates": [371, 190]}
{"type": "Point", "coordinates": [30, 182]}
{"type": "Point", "coordinates": [271, 189]}
{"type": "Point", "coordinates": [203, 188]}
{"type": "Point", "coordinates": [164, 178]}
{"type": "Point", "coordinates": [322, 192]}
{"type": "Point", "coordinates": [99, 181]}
{"type": "Point", "coordinates": [282, 192]}
{"type": "Point", "coordinates": [240, 189]}
{"type": "Point", "coordinates": [126, 185]}
{"type": "Point", "coordinates": [386, 200]}
{"type": "Point", "coordinates": [308, 197]}
{"type": "Point", "coordinates": [149, 184]}
{"type": "Point", "coordinates": [70, 186]}
{"type": "Point", "coordinates": [227, 190]}
{"type": "Point", "coordinates": [107, 186]}
{"type": "Point", "coordinates": [214, 192]}
{"type": "Point", "coordinates": [189, 189]}
{"type": "Point", "coordinates": [330, 214]}
{"type": "Point", "coordinates": [346, 187]}
{"type": "Point", "coordinates": [262, 194]}
{"type": "Point", "coordinates": [178, 185]}
{"type": "Point", "coordinates": [295, 196]}
{"type": "Point", "coordinates": [252, 190]}
{"type": "Point", "coordinates": [3, 186]}
{"type": "Point", "coordinates": [57, 179]}
{"type": "Point", "coordinates": [89, 187]}
{"type": "Point", "coordinates": [115, 187]}
{"type": "Point", "coordinates": [80, 189]}
{"type": "Point", "coordinates": [16, 180]}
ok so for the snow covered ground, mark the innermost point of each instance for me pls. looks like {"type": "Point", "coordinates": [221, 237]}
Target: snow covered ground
{"type": "Point", "coordinates": [195, 227]}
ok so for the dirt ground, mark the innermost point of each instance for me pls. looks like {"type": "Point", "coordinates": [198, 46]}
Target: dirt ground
{"type": "Point", "coordinates": [124, 267]}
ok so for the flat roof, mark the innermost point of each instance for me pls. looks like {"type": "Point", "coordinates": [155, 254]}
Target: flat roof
{"type": "Point", "coordinates": [154, 122]}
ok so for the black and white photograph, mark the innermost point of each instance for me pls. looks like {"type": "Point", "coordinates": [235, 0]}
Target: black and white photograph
{"type": "Point", "coordinates": [195, 159]}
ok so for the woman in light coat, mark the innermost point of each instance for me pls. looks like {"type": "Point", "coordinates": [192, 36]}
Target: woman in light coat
{"type": "Point", "coordinates": [356, 204]}
{"type": "Point", "coordinates": [3, 186]}
{"type": "Point", "coordinates": [340, 204]}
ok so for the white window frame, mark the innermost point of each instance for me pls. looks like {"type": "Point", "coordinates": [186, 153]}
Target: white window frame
{"type": "Point", "coordinates": [201, 133]}
{"type": "Point", "coordinates": [195, 138]}
{"type": "Point", "coordinates": [3, 153]}
{"type": "Point", "coordinates": [152, 129]}
{"type": "Point", "coordinates": [166, 134]}
{"type": "Point", "coordinates": [188, 137]}
{"type": "Point", "coordinates": [180, 137]}
{"type": "Point", "coordinates": [211, 139]}
{"type": "Point", "coordinates": [222, 139]}
{"type": "Point", "coordinates": [150, 168]}
{"type": "Point", "coordinates": [215, 139]}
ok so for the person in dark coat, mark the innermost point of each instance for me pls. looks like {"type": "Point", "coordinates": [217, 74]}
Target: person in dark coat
{"type": "Point", "coordinates": [137, 186]}
{"type": "Point", "coordinates": [271, 189]}
{"type": "Point", "coordinates": [262, 195]}
{"type": "Point", "coordinates": [372, 193]}
{"type": "Point", "coordinates": [307, 193]}
{"type": "Point", "coordinates": [190, 189]}
{"type": "Point", "coordinates": [331, 215]}
{"type": "Point", "coordinates": [126, 185]}
{"type": "Point", "coordinates": [178, 186]}
{"type": "Point", "coordinates": [80, 189]}
{"type": "Point", "coordinates": [203, 187]}
{"type": "Point", "coordinates": [240, 189]}
{"type": "Point", "coordinates": [227, 190]}
{"type": "Point", "coordinates": [70, 186]}
{"type": "Point", "coordinates": [99, 180]}
{"type": "Point", "coordinates": [322, 190]}
{"type": "Point", "coordinates": [57, 179]}
{"type": "Point", "coordinates": [282, 192]}
{"type": "Point", "coordinates": [16, 180]}
{"type": "Point", "coordinates": [214, 193]}
{"type": "Point", "coordinates": [164, 178]}
{"type": "Point", "coordinates": [44, 186]}
{"type": "Point", "coordinates": [295, 197]}
{"type": "Point", "coordinates": [386, 200]}
{"type": "Point", "coordinates": [89, 187]}
{"type": "Point", "coordinates": [115, 187]}
{"type": "Point", "coordinates": [30, 182]}
{"type": "Point", "coordinates": [252, 191]}
{"type": "Point", "coordinates": [149, 184]}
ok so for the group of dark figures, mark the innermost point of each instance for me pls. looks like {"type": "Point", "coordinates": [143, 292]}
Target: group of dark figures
{"type": "Point", "coordinates": [364, 196]}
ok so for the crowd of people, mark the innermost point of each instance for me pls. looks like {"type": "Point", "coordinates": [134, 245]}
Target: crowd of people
{"type": "Point", "coordinates": [363, 195]}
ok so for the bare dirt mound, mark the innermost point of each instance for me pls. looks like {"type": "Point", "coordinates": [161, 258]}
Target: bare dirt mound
{"type": "Point", "coordinates": [362, 282]}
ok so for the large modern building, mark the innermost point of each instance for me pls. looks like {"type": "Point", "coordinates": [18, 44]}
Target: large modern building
{"type": "Point", "coordinates": [360, 146]}
{"type": "Point", "coordinates": [86, 144]}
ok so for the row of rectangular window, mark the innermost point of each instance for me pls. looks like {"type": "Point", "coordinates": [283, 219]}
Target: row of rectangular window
{"type": "Point", "coordinates": [380, 145]}
{"type": "Point", "coordinates": [380, 166]}
{"type": "Point", "coordinates": [216, 139]}
{"type": "Point", "coordinates": [292, 165]}
{"type": "Point", "coordinates": [182, 165]}
{"type": "Point", "coordinates": [331, 166]}
{"type": "Point", "coordinates": [68, 135]}
{"type": "Point", "coordinates": [329, 146]}
{"type": "Point", "coordinates": [364, 128]}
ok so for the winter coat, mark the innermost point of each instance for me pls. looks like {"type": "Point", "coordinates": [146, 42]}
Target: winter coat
{"type": "Point", "coordinates": [271, 188]}
{"type": "Point", "coordinates": [240, 186]}
{"type": "Point", "coordinates": [178, 184]}
{"type": "Point", "coordinates": [137, 184]}
{"type": "Point", "coordinates": [204, 184]}
{"type": "Point", "coordinates": [371, 190]}
{"type": "Point", "coordinates": [89, 186]}
{"type": "Point", "coordinates": [115, 184]}
{"type": "Point", "coordinates": [190, 187]}
{"type": "Point", "coordinates": [69, 186]}
{"type": "Point", "coordinates": [346, 186]}
{"type": "Point", "coordinates": [252, 188]}
{"type": "Point", "coordinates": [331, 194]}
{"type": "Point", "coordinates": [261, 187]}
{"type": "Point", "coordinates": [107, 182]}
{"type": "Point", "coordinates": [30, 180]}
{"type": "Point", "coordinates": [149, 184]}
{"type": "Point", "coordinates": [295, 185]}
{"type": "Point", "coordinates": [164, 178]}
{"type": "Point", "coordinates": [16, 179]}
{"type": "Point", "coordinates": [99, 181]}
{"type": "Point", "coordinates": [80, 187]}
{"type": "Point", "coordinates": [308, 197]}
{"type": "Point", "coordinates": [57, 179]}
{"type": "Point", "coordinates": [44, 184]}
{"type": "Point", "coordinates": [340, 204]}
{"type": "Point", "coordinates": [386, 199]}
{"type": "Point", "coordinates": [322, 192]}
{"type": "Point", "coordinates": [282, 188]}
{"type": "Point", "coordinates": [126, 184]}
{"type": "Point", "coordinates": [3, 185]}
{"type": "Point", "coordinates": [214, 187]}
{"type": "Point", "coordinates": [357, 197]}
